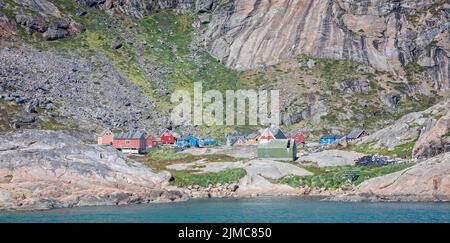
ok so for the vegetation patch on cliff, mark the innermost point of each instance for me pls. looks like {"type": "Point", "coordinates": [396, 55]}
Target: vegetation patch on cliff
{"type": "Point", "coordinates": [336, 177]}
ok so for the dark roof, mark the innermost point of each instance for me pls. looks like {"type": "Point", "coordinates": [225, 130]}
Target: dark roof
{"type": "Point", "coordinates": [251, 136]}
{"type": "Point", "coordinates": [130, 135]}
{"type": "Point", "coordinates": [278, 133]}
{"type": "Point", "coordinates": [355, 133]}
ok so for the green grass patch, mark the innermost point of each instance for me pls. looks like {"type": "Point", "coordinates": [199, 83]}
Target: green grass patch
{"type": "Point", "coordinates": [160, 158]}
{"type": "Point", "coordinates": [183, 178]}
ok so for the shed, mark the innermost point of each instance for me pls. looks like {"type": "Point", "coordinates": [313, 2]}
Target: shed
{"type": "Point", "coordinates": [357, 133]}
{"type": "Point", "coordinates": [209, 141]}
{"type": "Point", "coordinates": [188, 141]}
{"type": "Point", "coordinates": [299, 138]}
{"type": "Point", "coordinates": [152, 141]}
{"type": "Point", "coordinates": [252, 139]}
{"type": "Point", "coordinates": [329, 139]}
{"type": "Point", "coordinates": [284, 149]}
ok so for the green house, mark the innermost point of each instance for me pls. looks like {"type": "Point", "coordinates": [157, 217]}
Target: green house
{"type": "Point", "coordinates": [283, 149]}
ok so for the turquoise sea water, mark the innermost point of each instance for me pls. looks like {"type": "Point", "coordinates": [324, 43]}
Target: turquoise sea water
{"type": "Point", "coordinates": [257, 210]}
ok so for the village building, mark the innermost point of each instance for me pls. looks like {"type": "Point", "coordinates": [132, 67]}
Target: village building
{"type": "Point", "coordinates": [131, 143]}
{"type": "Point", "coordinates": [235, 140]}
{"type": "Point", "coordinates": [329, 139]}
{"type": "Point", "coordinates": [209, 141]}
{"type": "Point", "coordinates": [106, 138]}
{"type": "Point", "coordinates": [252, 139]}
{"type": "Point", "coordinates": [243, 140]}
{"type": "Point", "coordinates": [169, 137]}
{"type": "Point", "coordinates": [188, 141]}
{"type": "Point", "coordinates": [271, 134]}
{"type": "Point", "coordinates": [282, 149]}
{"type": "Point", "coordinates": [152, 141]}
{"type": "Point", "coordinates": [356, 134]}
{"type": "Point", "coordinates": [299, 138]}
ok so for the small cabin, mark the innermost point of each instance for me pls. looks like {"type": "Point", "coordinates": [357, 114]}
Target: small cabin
{"type": "Point", "coordinates": [281, 149]}
{"type": "Point", "coordinates": [168, 137]}
{"type": "Point", "coordinates": [188, 141]}
{"type": "Point", "coordinates": [152, 141]}
{"type": "Point", "coordinates": [252, 139]}
{"type": "Point", "coordinates": [106, 138]}
{"type": "Point", "coordinates": [356, 134]}
{"type": "Point", "coordinates": [299, 138]}
{"type": "Point", "coordinates": [329, 139]}
{"type": "Point", "coordinates": [269, 134]}
{"type": "Point", "coordinates": [209, 141]}
{"type": "Point", "coordinates": [132, 143]}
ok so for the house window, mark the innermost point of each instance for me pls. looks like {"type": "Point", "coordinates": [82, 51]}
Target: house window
{"type": "Point", "coordinates": [127, 142]}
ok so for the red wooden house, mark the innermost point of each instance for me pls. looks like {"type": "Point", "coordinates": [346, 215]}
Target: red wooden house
{"type": "Point", "coordinates": [152, 141]}
{"type": "Point", "coordinates": [299, 138]}
{"type": "Point", "coordinates": [169, 137]}
{"type": "Point", "coordinates": [356, 134]}
{"type": "Point", "coordinates": [134, 142]}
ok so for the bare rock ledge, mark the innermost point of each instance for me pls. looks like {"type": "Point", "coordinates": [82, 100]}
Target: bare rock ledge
{"type": "Point", "coordinates": [51, 169]}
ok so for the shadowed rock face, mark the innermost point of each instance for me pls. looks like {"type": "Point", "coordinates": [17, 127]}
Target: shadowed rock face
{"type": "Point", "coordinates": [427, 181]}
{"type": "Point", "coordinates": [381, 33]}
{"type": "Point", "coordinates": [435, 141]}
{"type": "Point", "coordinates": [46, 169]}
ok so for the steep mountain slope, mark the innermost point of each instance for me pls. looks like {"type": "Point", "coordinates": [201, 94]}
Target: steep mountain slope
{"type": "Point", "coordinates": [114, 63]}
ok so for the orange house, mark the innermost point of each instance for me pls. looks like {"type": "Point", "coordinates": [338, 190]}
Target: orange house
{"type": "Point", "coordinates": [106, 139]}
{"type": "Point", "coordinates": [133, 143]}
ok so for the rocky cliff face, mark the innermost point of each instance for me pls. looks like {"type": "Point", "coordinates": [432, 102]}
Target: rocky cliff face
{"type": "Point", "coordinates": [44, 169]}
{"type": "Point", "coordinates": [393, 36]}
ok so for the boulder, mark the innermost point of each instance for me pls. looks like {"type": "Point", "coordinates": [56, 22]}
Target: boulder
{"type": "Point", "coordinates": [117, 45]}
{"type": "Point", "coordinates": [55, 34]}
{"type": "Point", "coordinates": [434, 141]}
{"type": "Point", "coordinates": [355, 86]}
{"type": "Point", "coordinates": [80, 12]}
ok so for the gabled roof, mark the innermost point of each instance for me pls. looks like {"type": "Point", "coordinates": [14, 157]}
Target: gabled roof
{"type": "Point", "coordinates": [174, 134]}
{"type": "Point", "coordinates": [130, 135]}
{"type": "Point", "coordinates": [251, 136]}
{"type": "Point", "coordinates": [355, 133]}
{"type": "Point", "coordinates": [276, 132]}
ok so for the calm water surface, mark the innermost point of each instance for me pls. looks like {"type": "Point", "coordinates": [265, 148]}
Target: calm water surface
{"type": "Point", "coordinates": [259, 210]}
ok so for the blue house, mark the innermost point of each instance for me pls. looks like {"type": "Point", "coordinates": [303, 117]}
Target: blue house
{"type": "Point", "coordinates": [188, 141]}
{"type": "Point", "coordinates": [209, 141]}
{"type": "Point", "coordinates": [329, 139]}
